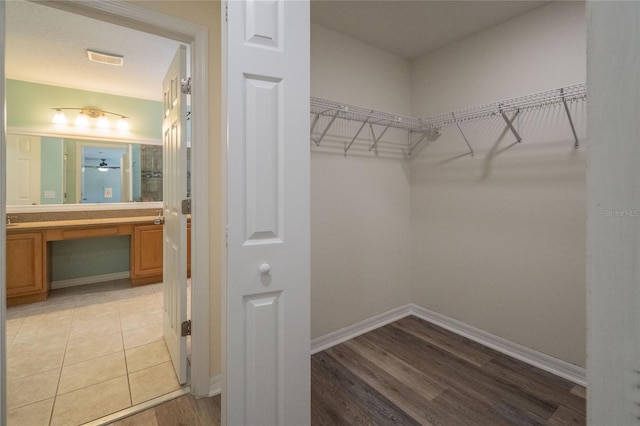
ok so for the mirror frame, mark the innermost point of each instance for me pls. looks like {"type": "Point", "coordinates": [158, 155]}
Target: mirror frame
{"type": "Point", "coordinates": [40, 208]}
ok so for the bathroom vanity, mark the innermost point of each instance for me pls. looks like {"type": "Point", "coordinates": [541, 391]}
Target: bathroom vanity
{"type": "Point", "coordinates": [29, 251]}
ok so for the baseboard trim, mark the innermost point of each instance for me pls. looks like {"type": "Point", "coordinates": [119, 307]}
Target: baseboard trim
{"type": "Point", "coordinates": [215, 385]}
{"type": "Point", "coordinates": [543, 361]}
{"type": "Point", "coordinates": [89, 280]}
{"type": "Point", "coordinates": [530, 356]}
{"type": "Point", "coordinates": [336, 337]}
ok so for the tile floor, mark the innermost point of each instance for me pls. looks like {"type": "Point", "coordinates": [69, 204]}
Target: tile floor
{"type": "Point", "coordinates": [85, 353]}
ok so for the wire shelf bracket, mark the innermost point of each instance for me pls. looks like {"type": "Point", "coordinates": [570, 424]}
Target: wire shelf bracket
{"type": "Point", "coordinates": [576, 144]}
{"type": "Point", "coordinates": [453, 114]}
{"type": "Point", "coordinates": [510, 123]}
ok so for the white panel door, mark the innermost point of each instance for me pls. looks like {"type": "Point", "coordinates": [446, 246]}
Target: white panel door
{"type": "Point", "coordinates": [23, 170]}
{"type": "Point", "coordinates": [175, 227]}
{"type": "Point", "coordinates": [267, 351]}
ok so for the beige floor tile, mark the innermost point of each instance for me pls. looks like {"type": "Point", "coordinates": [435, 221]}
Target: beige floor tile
{"type": "Point", "coordinates": [153, 382]}
{"type": "Point", "coordinates": [146, 356]}
{"type": "Point", "coordinates": [92, 299]}
{"type": "Point", "coordinates": [98, 326]}
{"type": "Point", "coordinates": [139, 303]}
{"type": "Point", "coordinates": [87, 373]}
{"type": "Point", "coordinates": [141, 318]}
{"type": "Point", "coordinates": [35, 388]}
{"type": "Point", "coordinates": [90, 309]}
{"type": "Point", "coordinates": [37, 414]}
{"type": "Point", "coordinates": [44, 327]}
{"type": "Point", "coordinates": [83, 348]}
{"type": "Point", "coordinates": [29, 356]}
{"type": "Point", "coordinates": [142, 336]}
{"type": "Point", "coordinates": [12, 327]}
{"type": "Point", "coordinates": [92, 402]}
{"type": "Point", "coordinates": [52, 312]}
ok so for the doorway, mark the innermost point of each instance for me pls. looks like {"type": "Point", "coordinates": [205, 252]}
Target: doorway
{"type": "Point", "coordinates": [193, 36]}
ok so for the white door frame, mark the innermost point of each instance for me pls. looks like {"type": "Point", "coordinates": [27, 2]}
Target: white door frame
{"type": "Point", "coordinates": [3, 239]}
{"type": "Point", "coordinates": [196, 36]}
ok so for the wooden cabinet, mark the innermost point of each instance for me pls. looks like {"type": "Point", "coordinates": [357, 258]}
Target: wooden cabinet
{"type": "Point", "coordinates": [29, 252]}
{"type": "Point", "coordinates": [146, 254]}
{"type": "Point", "coordinates": [26, 268]}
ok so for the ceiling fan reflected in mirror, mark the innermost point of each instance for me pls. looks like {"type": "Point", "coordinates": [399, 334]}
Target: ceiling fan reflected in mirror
{"type": "Point", "coordinates": [103, 166]}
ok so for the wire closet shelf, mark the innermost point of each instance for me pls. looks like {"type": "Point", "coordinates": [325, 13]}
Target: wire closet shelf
{"type": "Point", "coordinates": [333, 110]}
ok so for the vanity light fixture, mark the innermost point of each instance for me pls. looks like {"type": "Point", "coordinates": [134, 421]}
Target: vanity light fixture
{"type": "Point", "coordinates": [59, 117]}
{"type": "Point", "coordinates": [86, 116]}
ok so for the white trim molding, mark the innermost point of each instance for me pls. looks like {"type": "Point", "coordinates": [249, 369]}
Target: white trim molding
{"type": "Point", "coordinates": [530, 356]}
{"type": "Point", "coordinates": [321, 343]}
{"type": "Point", "coordinates": [215, 385]}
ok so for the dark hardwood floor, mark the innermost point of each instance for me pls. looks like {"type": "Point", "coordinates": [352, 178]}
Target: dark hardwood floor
{"type": "Point", "coordinates": [411, 372]}
{"type": "Point", "coordinates": [183, 411]}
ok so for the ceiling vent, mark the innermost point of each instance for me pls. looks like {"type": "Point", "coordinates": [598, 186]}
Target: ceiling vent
{"type": "Point", "coordinates": [105, 58]}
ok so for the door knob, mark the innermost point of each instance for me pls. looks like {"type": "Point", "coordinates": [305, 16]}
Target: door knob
{"type": "Point", "coordinates": [264, 269]}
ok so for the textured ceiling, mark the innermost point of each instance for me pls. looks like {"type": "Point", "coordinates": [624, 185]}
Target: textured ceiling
{"type": "Point", "coordinates": [46, 45]}
{"type": "Point", "coordinates": [410, 29]}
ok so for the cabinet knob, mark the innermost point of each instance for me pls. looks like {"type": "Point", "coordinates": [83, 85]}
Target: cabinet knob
{"type": "Point", "coordinates": [264, 269]}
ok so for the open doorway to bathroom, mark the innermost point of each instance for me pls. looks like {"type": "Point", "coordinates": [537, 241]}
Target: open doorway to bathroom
{"type": "Point", "coordinates": [96, 339]}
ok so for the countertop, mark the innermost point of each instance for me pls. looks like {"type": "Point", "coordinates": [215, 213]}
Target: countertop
{"type": "Point", "coordinates": [52, 224]}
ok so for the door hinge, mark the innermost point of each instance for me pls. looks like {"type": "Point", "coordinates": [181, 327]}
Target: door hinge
{"type": "Point", "coordinates": [226, 12]}
{"type": "Point", "coordinates": [186, 328]}
{"type": "Point", "coordinates": [186, 206]}
{"type": "Point", "coordinates": [185, 85]}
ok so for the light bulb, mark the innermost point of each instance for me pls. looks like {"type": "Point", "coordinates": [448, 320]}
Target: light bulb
{"type": "Point", "coordinates": [123, 124]}
{"type": "Point", "coordinates": [103, 122]}
{"type": "Point", "coordinates": [82, 120]}
{"type": "Point", "coordinates": [59, 117]}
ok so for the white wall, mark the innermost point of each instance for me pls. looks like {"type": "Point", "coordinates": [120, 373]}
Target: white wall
{"type": "Point", "coordinates": [498, 240]}
{"type": "Point", "coordinates": [360, 230]}
{"type": "Point", "coordinates": [613, 225]}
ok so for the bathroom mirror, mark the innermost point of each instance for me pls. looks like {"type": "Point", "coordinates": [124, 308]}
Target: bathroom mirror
{"type": "Point", "coordinates": [43, 170]}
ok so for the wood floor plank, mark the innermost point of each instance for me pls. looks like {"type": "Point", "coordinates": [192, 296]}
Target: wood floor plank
{"type": "Point", "coordinates": [457, 346]}
{"type": "Point", "coordinates": [380, 410]}
{"type": "Point", "coordinates": [558, 390]}
{"type": "Point", "coordinates": [393, 365]}
{"type": "Point", "coordinates": [466, 378]}
{"type": "Point", "coordinates": [408, 399]}
{"type": "Point", "coordinates": [332, 403]}
{"type": "Point", "coordinates": [566, 416]}
{"type": "Point", "coordinates": [580, 391]}
{"type": "Point", "coordinates": [185, 410]}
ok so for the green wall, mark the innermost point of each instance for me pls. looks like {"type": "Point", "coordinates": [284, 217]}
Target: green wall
{"type": "Point", "coordinates": [88, 257]}
{"type": "Point", "coordinates": [30, 105]}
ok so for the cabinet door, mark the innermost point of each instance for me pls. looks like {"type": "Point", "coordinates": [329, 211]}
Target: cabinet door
{"type": "Point", "coordinates": [147, 246]}
{"type": "Point", "coordinates": [25, 274]}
